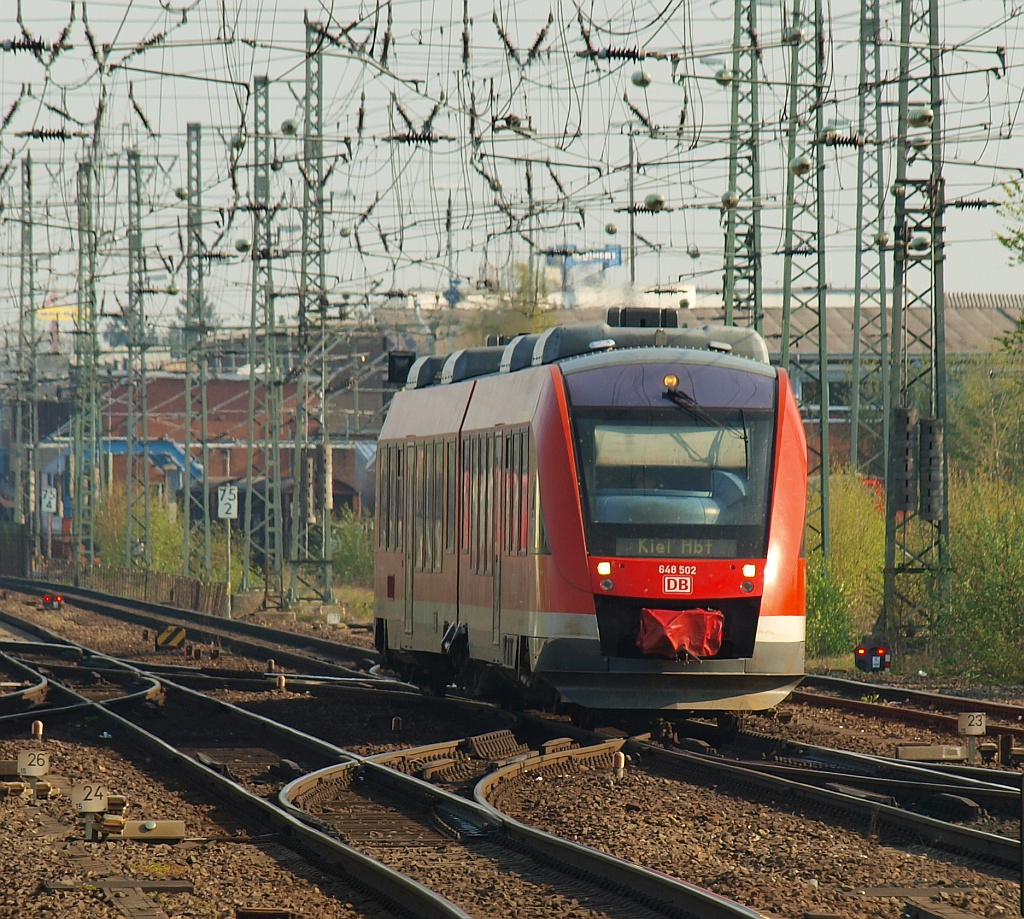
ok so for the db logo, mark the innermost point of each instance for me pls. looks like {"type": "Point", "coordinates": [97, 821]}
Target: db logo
{"type": "Point", "coordinates": [675, 584]}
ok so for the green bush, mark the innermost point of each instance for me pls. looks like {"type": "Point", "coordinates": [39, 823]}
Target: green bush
{"type": "Point", "coordinates": [165, 531]}
{"type": "Point", "coordinates": [983, 634]}
{"type": "Point", "coordinates": [829, 623]}
{"type": "Point", "coordinates": [858, 545]}
{"type": "Point", "coordinates": [353, 549]}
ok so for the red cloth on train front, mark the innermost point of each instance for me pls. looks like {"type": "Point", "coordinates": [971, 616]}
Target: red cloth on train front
{"type": "Point", "coordinates": [673, 633]}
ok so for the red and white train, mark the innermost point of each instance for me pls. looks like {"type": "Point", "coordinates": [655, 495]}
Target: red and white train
{"type": "Point", "coordinates": [596, 517]}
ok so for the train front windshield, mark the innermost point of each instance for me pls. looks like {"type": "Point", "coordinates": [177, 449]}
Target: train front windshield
{"type": "Point", "coordinates": [676, 458]}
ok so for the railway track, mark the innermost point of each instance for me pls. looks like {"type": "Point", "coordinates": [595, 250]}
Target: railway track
{"type": "Point", "coordinates": [864, 791]}
{"type": "Point", "coordinates": [257, 643]}
{"type": "Point", "coordinates": [937, 710]}
{"type": "Point", "coordinates": [861, 801]}
{"type": "Point", "coordinates": [330, 694]}
{"type": "Point", "coordinates": [486, 863]}
{"type": "Point", "coordinates": [248, 758]}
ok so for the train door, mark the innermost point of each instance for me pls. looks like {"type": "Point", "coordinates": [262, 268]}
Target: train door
{"type": "Point", "coordinates": [411, 534]}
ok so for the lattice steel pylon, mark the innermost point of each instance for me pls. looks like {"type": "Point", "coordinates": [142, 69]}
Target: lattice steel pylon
{"type": "Point", "coordinates": [869, 390]}
{"type": "Point", "coordinates": [264, 524]}
{"type": "Point", "coordinates": [742, 283]}
{"type": "Point", "coordinates": [804, 283]}
{"type": "Point", "coordinates": [916, 576]}
{"type": "Point", "coordinates": [138, 548]}
{"type": "Point", "coordinates": [87, 432]}
{"type": "Point", "coordinates": [312, 493]}
{"type": "Point", "coordinates": [26, 415]}
{"type": "Point", "coordinates": [196, 541]}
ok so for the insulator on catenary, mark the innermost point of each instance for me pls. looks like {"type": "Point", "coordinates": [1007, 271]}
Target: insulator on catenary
{"type": "Point", "coordinates": [845, 140]}
{"type": "Point", "coordinates": [616, 54]}
{"type": "Point", "coordinates": [969, 204]}
{"type": "Point", "coordinates": [49, 134]}
{"type": "Point", "coordinates": [33, 45]}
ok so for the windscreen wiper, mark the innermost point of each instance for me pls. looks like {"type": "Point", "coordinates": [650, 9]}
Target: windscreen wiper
{"type": "Point", "coordinates": [687, 403]}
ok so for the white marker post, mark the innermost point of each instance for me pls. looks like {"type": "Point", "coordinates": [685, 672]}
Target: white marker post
{"type": "Point", "coordinates": [227, 509]}
{"type": "Point", "coordinates": [972, 726]}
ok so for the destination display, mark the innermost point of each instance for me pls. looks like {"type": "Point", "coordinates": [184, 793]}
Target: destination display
{"type": "Point", "coordinates": [653, 547]}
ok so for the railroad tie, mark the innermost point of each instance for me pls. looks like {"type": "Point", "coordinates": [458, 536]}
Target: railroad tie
{"type": "Point", "coordinates": [920, 908]}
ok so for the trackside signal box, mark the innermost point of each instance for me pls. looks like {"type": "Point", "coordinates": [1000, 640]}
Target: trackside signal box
{"type": "Point", "coordinates": [872, 656]}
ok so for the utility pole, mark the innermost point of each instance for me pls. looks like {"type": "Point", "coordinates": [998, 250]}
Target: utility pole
{"type": "Point", "coordinates": [742, 285]}
{"type": "Point", "coordinates": [26, 425]}
{"type": "Point", "coordinates": [138, 547]}
{"type": "Point", "coordinates": [916, 576]}
{"type": "Point", "coordinates": [264, 524]}
{"type": "Point", "coordinates": [196, 522]}
{"type": "Point", "coordinates": [804, 284]}
{"type": "Point", "coordinates": [869, 391]}
{"type": "Point", "coordinates": [87, 429]}
{"type": "Point", "coordinates": [312, 474]}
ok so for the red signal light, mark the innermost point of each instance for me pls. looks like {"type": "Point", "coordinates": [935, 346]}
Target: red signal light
{"type": "Point", "coordinates": [46, 598]}
{"type": "Point", "coordinates": [60, 599]}
{"type": "Point", "coordinates": [880, 652]}
{"type": "Point", "coordinates": [861, 651]}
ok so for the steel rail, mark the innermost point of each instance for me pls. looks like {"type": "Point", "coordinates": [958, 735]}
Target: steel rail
{"type": "Point", "coordinates": [148, 688]}
{"type": "Point", "coordinates": [245, 638]}
{"type": "Point", "coordinates": [939, 834]}
{"type": "Point", "coordinates": [398, 892]}
{"type": "Point", "coordinates": [1003, 710]}
{"type": "Point", "coordinates": [653, 889]}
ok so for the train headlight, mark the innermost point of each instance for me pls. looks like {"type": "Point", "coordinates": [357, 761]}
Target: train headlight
{"type": "Point", "coordinates": [604, 569]}
{"type": "Point", "coordinates": [749, 571]}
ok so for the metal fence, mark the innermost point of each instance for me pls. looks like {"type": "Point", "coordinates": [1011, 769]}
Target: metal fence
{"type": "Point", "coordinates": [149, 586]}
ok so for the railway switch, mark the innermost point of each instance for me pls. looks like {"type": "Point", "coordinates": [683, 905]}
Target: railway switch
{"type": "Point", "coordinates": [872, 656]}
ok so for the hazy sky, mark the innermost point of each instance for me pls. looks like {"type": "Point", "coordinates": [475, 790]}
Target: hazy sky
{"type": "Point", "coordinates": [441, 161]}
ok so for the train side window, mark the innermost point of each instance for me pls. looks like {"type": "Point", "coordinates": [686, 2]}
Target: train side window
{"type": "Point", "coordinates": [398, 499]}
{"type": "Point", "coordinates": [508, 486]}
{"type": "Point", "coordinates": [487, 473]}
{"type": "Point", "coordinates": [539, 542]}
{"type": "Point", "coordinates": [429, 540]}
{"type": "Point", "coordinates": [417, 484]}
{"type": "Point", "coordinates": [467, 480]}
{"type": "Point", "coordinates": [474, 504]}
{"type": "Point", "coordinates": [523, 499]}
{"type": "Point", "coordinates": [383, 486]}
{"type": "Point", "coordinates": [516, 491]}
{"type": "Point", "coordinates": [450, 486]}
{"type": "Point", "coordinates": [437, 520]}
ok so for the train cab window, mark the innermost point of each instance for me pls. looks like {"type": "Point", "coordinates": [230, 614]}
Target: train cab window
{"type": "Point", "coordinates": [680, 468]}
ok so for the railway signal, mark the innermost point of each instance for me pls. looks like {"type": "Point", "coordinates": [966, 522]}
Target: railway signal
{"type": "Point", "coordinates": [872, 657]}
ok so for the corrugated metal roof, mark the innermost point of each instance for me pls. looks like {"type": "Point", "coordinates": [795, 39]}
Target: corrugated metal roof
{"type": "Point", "coordinates": [975, 322]}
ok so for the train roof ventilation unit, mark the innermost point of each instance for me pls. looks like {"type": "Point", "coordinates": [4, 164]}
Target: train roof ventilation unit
{"type": "Point", "coordinates": [426, 371]}
{"type": "Point", "coordinates": [471, 362]}
{"type": "Point", "coordinates": [642, 317]}
{"type": "Point", "coordinates": [518, 353]}
{"type": "Point", "coordinates": [562, 342]}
